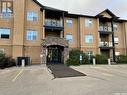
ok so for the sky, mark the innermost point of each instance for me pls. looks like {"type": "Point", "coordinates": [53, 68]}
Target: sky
{"type": "Point", "coordinates": [89, 7]}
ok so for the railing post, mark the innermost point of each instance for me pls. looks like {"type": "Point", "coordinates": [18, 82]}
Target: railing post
{"type": "Point", "coordinates": [94, 61]}
{"type": "Point", "coordinates": [109, 61]}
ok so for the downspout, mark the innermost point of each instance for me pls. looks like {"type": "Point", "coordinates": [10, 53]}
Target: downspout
{"type": "Point", "coordinates": [79, 36]}
{"type": "Point", "coordinates": [63, 23]}
{"type": "Point", "coordinates": [125, 37]}
{"type": "Point", "coordinates": [114, 57]}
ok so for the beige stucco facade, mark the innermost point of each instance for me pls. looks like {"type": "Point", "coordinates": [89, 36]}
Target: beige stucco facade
{"type": "Point", "coordinates": [17, 45]}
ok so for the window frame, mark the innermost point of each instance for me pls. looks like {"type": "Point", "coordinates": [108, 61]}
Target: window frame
{"type": "Point", "coordinates": [88, 22]}
{"type": "Point", "coordinates": [117, 53]}
{"type": "Point", "coordinates": [6, 34]}
{"type": "Point", "coordinates": [115, 27]}
{"type": "Point", "coordinates": [70, 40]}
{"type": "Point", "coordinates": [87, 38]}
{"type": "Point", "coordinates": [116, 39]}
{"type": "Point", "coordinates": [31, 35]}
{"type": "Point", "coordinates": [2, 50]}
{"type": "Point", "coordinates": [32, 16]}
{"type": "Point", "coordinates": [6, 7]}
{"type": "Point", "coordinates": [69, 22]}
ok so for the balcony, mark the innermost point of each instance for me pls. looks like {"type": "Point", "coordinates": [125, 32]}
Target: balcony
{"type": "Point", "coordinates": [106, 45]}
{"type": "Point", "coordinates": [105, 29]}
{"type": "Point", "coordinates": [6, 15]}
{"type": "Point", "coordinates": [53, 24]}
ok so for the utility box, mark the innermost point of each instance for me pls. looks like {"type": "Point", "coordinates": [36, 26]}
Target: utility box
{"type": "Point", "coordinates": [23, 61]}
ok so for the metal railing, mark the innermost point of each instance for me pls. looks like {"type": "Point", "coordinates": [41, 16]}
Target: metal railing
{"type": "Point", "coordinates": [106, 44]}
{"type": "Point", "coordinates": [105, 28]}
{"type": "Point", "coordinates": [53, 22]}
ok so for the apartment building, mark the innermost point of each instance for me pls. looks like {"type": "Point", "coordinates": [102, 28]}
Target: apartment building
{"type": "Point", "coordinates": [29, 29]}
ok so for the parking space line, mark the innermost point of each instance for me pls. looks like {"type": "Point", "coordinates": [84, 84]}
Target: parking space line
{"type": "Point", "coordinates": [16, 77]}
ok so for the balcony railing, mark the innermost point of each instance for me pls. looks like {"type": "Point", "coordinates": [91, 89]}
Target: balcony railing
{"type": "Point", "coordinates": [53, 23]}
{"type": "Point", "coordinates": [6, 15]}
{"type": "Point", "coordinates": [105, 28]}
{"type": "Point", "coordinates": [106, 44]}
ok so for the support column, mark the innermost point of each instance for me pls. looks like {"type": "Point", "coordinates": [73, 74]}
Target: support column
{"type": "Point", "coordinates": [61, 34]}
{"type": "Point", "coordinates": [43, 30]}
{"type": "Point", "coordinates": [113, 42]}
{"type": "Point", "coordinates": [78, 33]}
{"type": "Point", "coordinates": [98, 36]}
{"type": "Point", "coordinates": [63, 25]}
{"type": "Point", "coordinates": [44, 55]}
{"type": "Point", "coordinates": [66, 54]}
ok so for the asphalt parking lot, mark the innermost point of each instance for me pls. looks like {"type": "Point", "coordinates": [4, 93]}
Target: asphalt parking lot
{"type": "Point", "coordinates": [36, 80]}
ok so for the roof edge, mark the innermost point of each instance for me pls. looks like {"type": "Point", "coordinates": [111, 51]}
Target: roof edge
{"type": "Point", "coordinates": [38, 3]}
{"type": "Point", "coordinates": [54, 9]}
{"type": "Point", "coordinates": [109, 12]}
{"type": "Point", "coordinates": [76, 15]}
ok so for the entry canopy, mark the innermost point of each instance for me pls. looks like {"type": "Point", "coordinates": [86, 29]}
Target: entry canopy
{"type": "Point", "coordinates": [49, 41]}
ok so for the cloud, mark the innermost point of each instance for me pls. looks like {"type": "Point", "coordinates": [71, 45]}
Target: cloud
{"type": "Point", "coordinates": [89, 7]}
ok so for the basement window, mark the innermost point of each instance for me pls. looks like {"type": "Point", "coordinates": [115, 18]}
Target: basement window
{"type": "Point", "coordinates": [117, 53]}
{"type": "Point", "coordinates": [1, 50]}
{"type": "Point", "coordinates": [5, 33]}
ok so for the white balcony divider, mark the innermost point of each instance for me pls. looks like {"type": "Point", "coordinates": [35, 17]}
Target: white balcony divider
{"type": "Point", "coordinates": [106, 44]}
{"type": "Point", "coordinates": [105, 28]}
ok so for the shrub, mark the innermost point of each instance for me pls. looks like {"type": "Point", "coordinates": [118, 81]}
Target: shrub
{"type": "Point", "coordinates": [74, 58]}
{"type": "Point", "coordinates": [121, 59]}
{"type": "Point", "coordinates": [6, 61]}
{"type": "Point", "coordinates": [101, 59]}
{"type": "Point", "coordinates": [86, 59]}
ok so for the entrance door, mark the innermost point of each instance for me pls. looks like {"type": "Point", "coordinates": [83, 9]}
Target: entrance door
{"type": "Point", "coordinates": [54, 54]}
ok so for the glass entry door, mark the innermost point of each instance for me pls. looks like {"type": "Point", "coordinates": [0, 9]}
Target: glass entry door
{"type": "Point", "coordinates": [54, 54]}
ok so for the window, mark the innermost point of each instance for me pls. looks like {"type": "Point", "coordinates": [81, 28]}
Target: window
{"type": "Point", "coordinates": [69, 23]}
{"type": "Point", "coordinates": [5, 33]}
{"type": "Point", "coordinates": [69, 37]}
{"type": "Point", "coordinates": [32, 16]}
{"type": "Point", "coordinates": [116, 40]}
{"type": "Point", "coordinates": [89, 38]}
{"type": "Point", "coordinates": [115, 26]}
{"type": "Point", "coordinates": [117, 53]}
{"type": "Point", "coordinates": [1, 50]}
{"type": "Point", "coordinates": [6, 9]}
{"type": "Point", "coordinates": [31, 35]}
{"type": "Point", "coordinates": [88, 22]}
